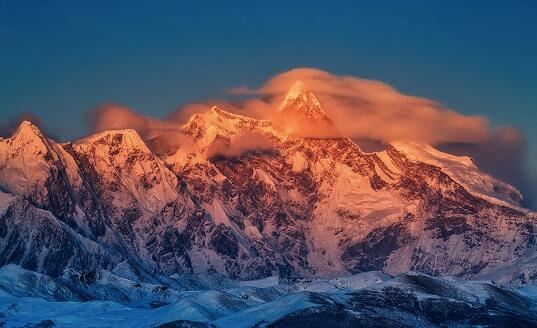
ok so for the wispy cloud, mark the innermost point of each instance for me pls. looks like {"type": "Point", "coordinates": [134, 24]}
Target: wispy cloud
{"type": "Point", "coordinates": [361, 109]}
{"type": "Point", "coordinates": [239, 145]}
{"type": "Point", "coordinates": [373, 110]}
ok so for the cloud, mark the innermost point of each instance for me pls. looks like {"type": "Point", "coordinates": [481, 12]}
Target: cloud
{"type": "Point", "coordinates": [238, 145]}
{"type": "Point", "coordinates": [374, 113]}
{"type": "Point", "coordinates": [162, 136]}
{"type": "Point", "coordinates": [165, 136]}
{"type": "Point", "coordinates": [116, 117]}
{"type": "Point", "coordinates": [367, 109]}
{"type": "Point", "coordinates": [361, 109]}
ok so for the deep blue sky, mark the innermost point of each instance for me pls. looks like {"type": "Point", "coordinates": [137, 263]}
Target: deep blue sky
{"type": "Point", "coordinates": [59, 59]}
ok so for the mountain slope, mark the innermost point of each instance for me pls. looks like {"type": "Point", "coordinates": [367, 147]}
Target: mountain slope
{"type": "Point", "coordinates": [369, 299]}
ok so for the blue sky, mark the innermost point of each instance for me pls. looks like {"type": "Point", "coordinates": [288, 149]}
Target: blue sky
{"type": "Point", "coordinates": [59, 59]}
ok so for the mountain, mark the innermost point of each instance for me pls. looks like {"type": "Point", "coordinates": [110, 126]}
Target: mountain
{"type": "Point", "coordinates": [299, 101]}
{"type": "Point", "coordinates": [253, 198]}
{"type": "Point", "coordinates": [301, 114]}
{"type": "Point", "coordinates": [371, 299]}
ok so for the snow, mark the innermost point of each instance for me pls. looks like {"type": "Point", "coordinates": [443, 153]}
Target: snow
{"type": "Point", "coordinates": [463, 170]}
{"type": "Point", "coordinates": [19, 312]}
{"type": "Point", "coordinates": [5, 201]}
{"type": "Point", "coordinates": [298, 89]}
{"type": "Point", "coordinates": [349, 210]}
{"type": "Point", "coordinates": [360, 280]}
{"type": "Point", "coordinates": [203, 259]}
{"type": "Point", "coordinates": [217, 300]}
{"type": "Point", "coordinates": [529, 291]}
{"type": "Point", "coordinates": [22, 159]}
{"type": "Point", "coordinates": [27, 131]}
{"type": "Point", "coordinates": [389, 163]}
{"type": "Point", "coordinates": [251, 231]}
{"type": "Point", "coordinates": [131, 139]}
{"type": "Point", "coordinates": [298, 162]}
{"type": "Point", "coordinates": [271, 281]}
{"type": "Point", "coordinates": [301, 99]}
{"type": "Point", "coordinates": [268, 312]}
{"type": "Point", "coordinates": [117, 148]}
{"type": "Point", "coordinates": [265, 178]}
{"type": "Point", "coordinates": [217, 212]}
{"type": "Point", "coordinates": [216, 122]}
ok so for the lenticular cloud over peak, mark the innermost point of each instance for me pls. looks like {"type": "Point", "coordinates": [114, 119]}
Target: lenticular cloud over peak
{"type": "Point", "coordinates": [374, 110]}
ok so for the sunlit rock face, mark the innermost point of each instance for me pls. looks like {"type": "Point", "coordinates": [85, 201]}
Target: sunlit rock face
{"type": "Point", "coordinates": [253, 198]}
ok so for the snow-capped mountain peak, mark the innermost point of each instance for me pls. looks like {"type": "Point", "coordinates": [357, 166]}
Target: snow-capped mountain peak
{"type": "Point", "coordinates": [123, 140]}
{"type": "Point", "coordinates": [300, 100]}
{"type": "Point", "coordinates": [27, 132]}
{"type": "Point", "coordinates": [301, 114]}
{"type": "Point", "coordinates": [298, 89]}
{"type": "Point", "coordinates": [29, 162]}
{"type": "Point", "coordinates": [204, 128]}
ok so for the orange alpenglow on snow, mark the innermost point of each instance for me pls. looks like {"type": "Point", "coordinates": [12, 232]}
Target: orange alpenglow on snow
{"type": "Point", "coordinates": [301, 114]}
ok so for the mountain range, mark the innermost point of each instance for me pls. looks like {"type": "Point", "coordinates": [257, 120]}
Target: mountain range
{"type": "Point", "coordinates": [251, 199]}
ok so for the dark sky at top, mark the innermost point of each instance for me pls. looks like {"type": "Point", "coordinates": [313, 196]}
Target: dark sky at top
{"type": "Point", "coordinates": [59, 59]}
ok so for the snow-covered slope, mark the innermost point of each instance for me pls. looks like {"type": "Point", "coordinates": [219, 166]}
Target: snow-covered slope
{"type": "Point", "coordinates": [370, 299]}
{"type": "Point", "coordinates": [463, 170]}
{"type": "Point", "coordinates": [35, 239]}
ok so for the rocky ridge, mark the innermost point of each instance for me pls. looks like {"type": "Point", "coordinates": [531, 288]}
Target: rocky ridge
{"type": "Point", "coordinates": [294, 205]}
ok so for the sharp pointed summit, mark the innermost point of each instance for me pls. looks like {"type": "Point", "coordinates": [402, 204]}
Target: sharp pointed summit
{"type": "Point", "coordinates": [300, 100]}
{"type": "Point", "coordinates": [27, 130]}
{"type": "Point", "coordinates": [297, 89]}
{"type": "Point", "coordinates": [302, 114]}
{"type": "Point", "coordinates": [27, 139]}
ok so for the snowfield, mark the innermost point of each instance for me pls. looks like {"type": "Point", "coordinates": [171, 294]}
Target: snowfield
{"type": "Point", "coordinates": [370, 299]}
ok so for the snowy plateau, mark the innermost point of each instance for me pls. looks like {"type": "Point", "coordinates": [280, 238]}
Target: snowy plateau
{"type": "Point", "coordinates": [242, 222]}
